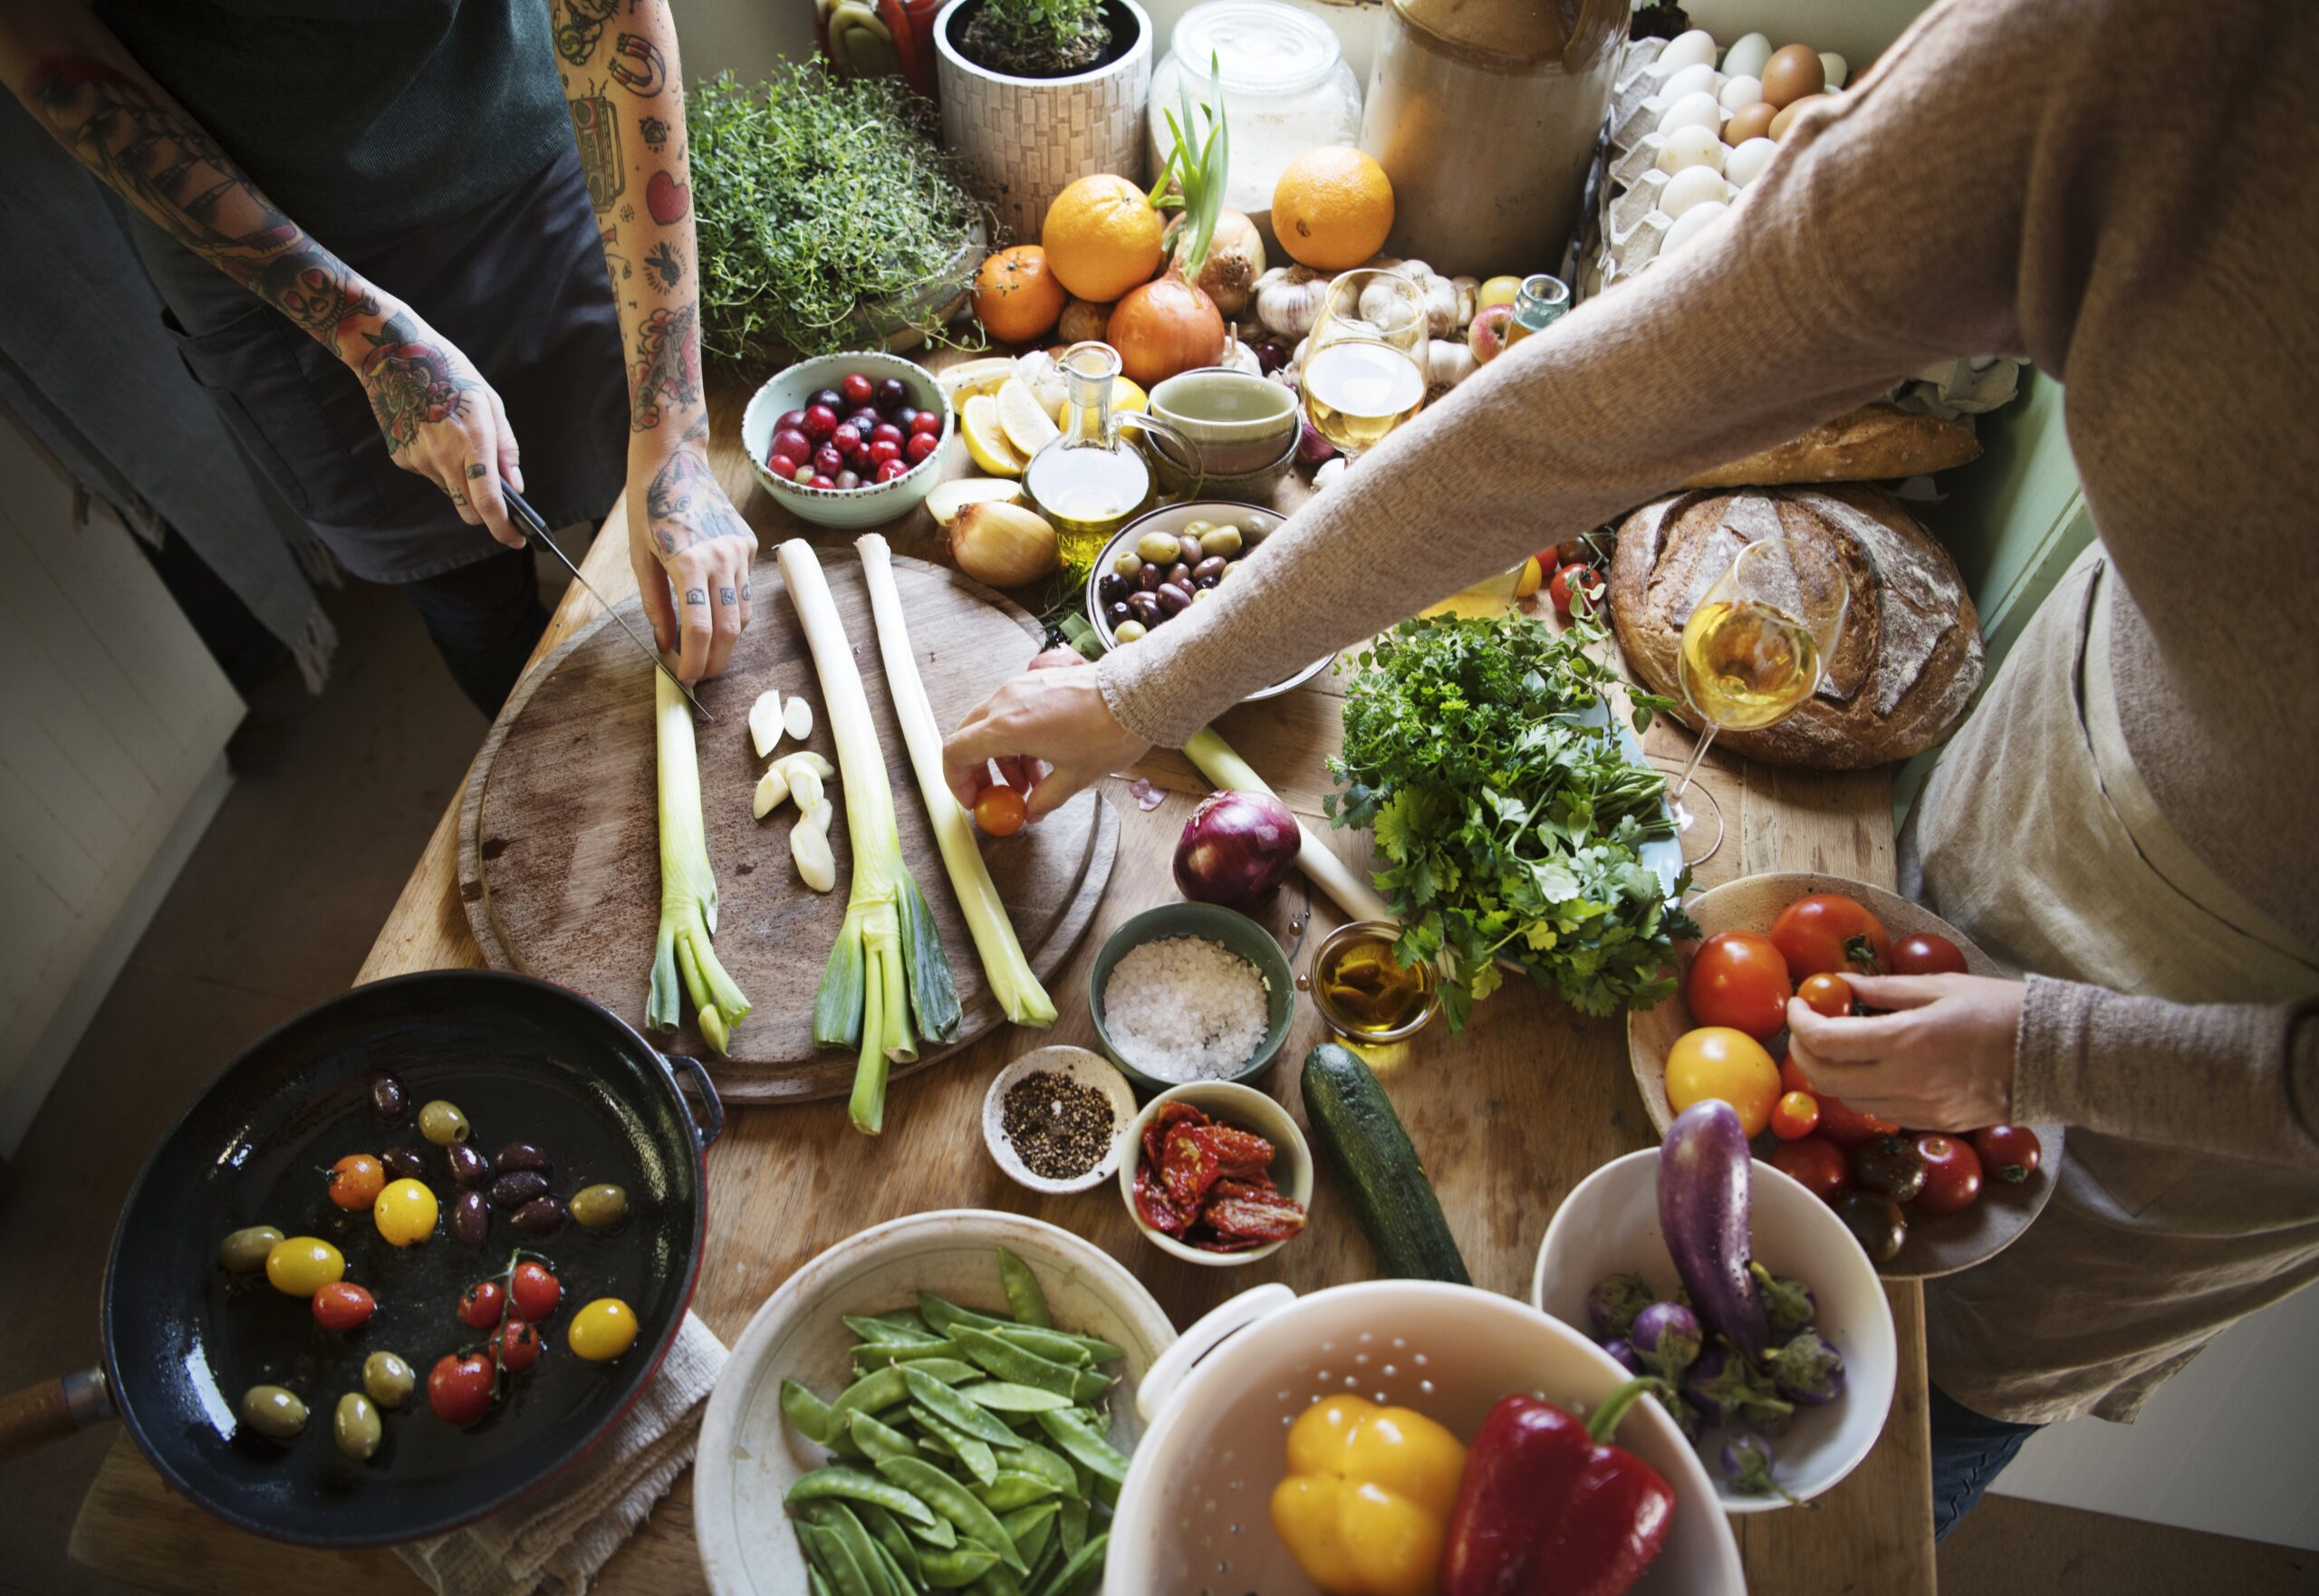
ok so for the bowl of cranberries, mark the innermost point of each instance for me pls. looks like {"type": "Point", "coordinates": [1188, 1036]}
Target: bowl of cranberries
{"type": "Point", "coordinates": [849, 440]}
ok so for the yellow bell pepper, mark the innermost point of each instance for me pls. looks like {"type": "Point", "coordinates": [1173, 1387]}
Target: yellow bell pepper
{"type": "Point", "coordinates": [1368, 1495]}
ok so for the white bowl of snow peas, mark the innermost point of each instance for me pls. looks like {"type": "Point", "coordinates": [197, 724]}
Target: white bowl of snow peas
{"type": "Point", "coordinates": [895, 1421]}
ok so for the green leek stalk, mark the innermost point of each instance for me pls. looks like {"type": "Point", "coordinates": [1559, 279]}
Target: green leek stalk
{"type": "Point", "coordinates": [687, 888]}
{"type": "Point", "coordinates": [1018, 991]}
{"type": "Point", "coordinates": [1218, 763]}
{"type": "Point", "coordinates": [887, 963]}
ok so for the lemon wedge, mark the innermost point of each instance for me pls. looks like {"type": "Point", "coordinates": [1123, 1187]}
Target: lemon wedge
{"type": "Point", "coordinates": [986, 439]}
{"type": "Point", "coordinates": [1028, 426]}
{"type": "Point", "coordinates": [1125, 396]}
{"type": "Point", "coordinates": [972, 377]}
{"type": "Point", "coordinates": [946, 502]}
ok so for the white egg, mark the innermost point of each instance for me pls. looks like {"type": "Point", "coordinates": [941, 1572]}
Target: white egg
{"type": "Point", "coordinates": [1689, 80]}
{"type": "Point", "coordinates": [1687, 49]}
{"type": "Point", "coordinates": [1837, 68]}
{"type": "Point", "coordinates": [1690, 147]}
{"type": "Point", "coordinates": [1739, 93]}
{"type": "Point", "coordinates": [1743, 165]}
{"type": "Point", "coordinates": [1745, 58]}
{"type": "Point", "coordinates": [1692, 187]}
{"type": "Point", "coordinates": [1689, 226]}
{"type": "Point", "coordinates": [1692, 111]}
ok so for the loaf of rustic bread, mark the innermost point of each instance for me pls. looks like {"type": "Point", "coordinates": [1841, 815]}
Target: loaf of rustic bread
{"type": "Point", "coordinates": [1906, 664]}
{"type": "Point", "coordinates": [1874, 443]}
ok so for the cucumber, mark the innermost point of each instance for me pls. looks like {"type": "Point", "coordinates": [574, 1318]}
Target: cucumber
{"type": "Point", "coordinates": [1355, 1123]}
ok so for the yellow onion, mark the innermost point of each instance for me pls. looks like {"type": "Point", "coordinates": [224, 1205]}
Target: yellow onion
{"type": "Point", "coordinates": [1165, 327]}
{"type": "Point", "coordinates": [1082, 321]}
{"type": "Point", "coordinates": [1002, 544]}
{"type": "Point", "coordinates": [1236, 259]}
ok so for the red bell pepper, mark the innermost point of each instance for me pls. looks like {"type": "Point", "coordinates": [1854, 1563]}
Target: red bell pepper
{"type": "Point", "coordinates": [1549, 1507]}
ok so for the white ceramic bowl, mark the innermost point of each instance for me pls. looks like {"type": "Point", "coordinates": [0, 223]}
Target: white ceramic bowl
{"type": "Point", "coordinates": [1249, 1110]}
{"type": "Point", "coordinates": [1609, 1225]}
{"type": "Point", "coordinates": [1088, 1069]}
{"type": "Point", "coordinates": [750, 1456]}
{"type": "Point", "coordinates": [1195, 1515]}
{"type": "Point", "coordinates": [852, 509]}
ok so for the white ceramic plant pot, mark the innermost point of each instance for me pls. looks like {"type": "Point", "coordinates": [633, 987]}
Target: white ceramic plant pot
{"type": "Point", "coordinates": [1024, 139]}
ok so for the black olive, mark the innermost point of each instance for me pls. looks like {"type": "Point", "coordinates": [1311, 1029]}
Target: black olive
{"type": "Point", "coordinates": [404, 1163]}
{"type": "Point", "coordinates": [1190, 546]}
{"type": "Point", "coordinates": [1147, 607]}
{"type": "Point", "coordinates": [1149, 577]}
{"type": "Point", "coordinates": [386, 1099]}
{"type": "Point", "coordinates": [516, 1187]}
{"type": "Point", "coordinates": [1213, 566]}
{"type": "Point", "coordinates": [471, 1219]}
{"type": "Point", "coordinates": [1113, 589]}
{"type": "Point", "coordinates": [1119, 614]}
{"type": "Point", "coordinates": [540, 1216]}
{"type": "Point", "coordinates": [1174, 600]}
{"type": "Point", "coordinates": [1207, 581]}
{"type": "Point", "coordinates": [469, 1167]}
{"type": "Point", "coordinates": [1179, 574]}
{"type": "Point", "coordinates": [523, 1155]}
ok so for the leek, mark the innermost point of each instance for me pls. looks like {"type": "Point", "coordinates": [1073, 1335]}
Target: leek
{"type": "Point", "coordinates": [1218, 763]}
{"type": "Point", "coordinates": [1018, 991]}
{"type": "Point", "coordinates": [682, 950]}
{"type": "Point", "coordinates": [887, 963]}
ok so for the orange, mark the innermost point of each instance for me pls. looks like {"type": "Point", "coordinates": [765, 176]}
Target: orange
{"type": "Point", "coordinates": [1017, 298]}
{"type": "Point", "coordinates": [1715, 1061]}
{"type": "Point", "coordinates": [1101, 237]}
{"type": "Point", "coordinates": [1332, 208]}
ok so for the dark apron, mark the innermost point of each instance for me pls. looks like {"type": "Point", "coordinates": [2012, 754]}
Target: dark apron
{"type": "Point", "coordinates": [518, 284]}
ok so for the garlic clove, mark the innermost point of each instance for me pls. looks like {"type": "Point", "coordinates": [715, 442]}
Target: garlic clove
{"type": "Point", "coordinates": [772, 792]}
{"type": "Point", "coordinates": [765, 721]}
{"type": "Point", "coordinates": [797, 719]}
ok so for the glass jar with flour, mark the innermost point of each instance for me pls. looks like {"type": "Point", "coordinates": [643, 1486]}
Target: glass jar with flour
{"type": "Point", "coordinates": [1282, 82]}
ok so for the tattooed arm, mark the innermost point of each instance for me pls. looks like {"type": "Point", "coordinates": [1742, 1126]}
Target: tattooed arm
{"type": "Point", "coordinates": [619, 62]}
{"type": "Point", "coordinates": [440, 417]}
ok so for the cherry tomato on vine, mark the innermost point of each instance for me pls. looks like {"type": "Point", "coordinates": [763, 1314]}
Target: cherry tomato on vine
{"type": "Point", "coordinates": [1816, 1164]}
{"type": "Point", "coordinates": [536, 1292]}
{"type": "Point", "coordinates": [998, 810]}
{"type": "Point", "coordinates": [1825, 931]}
{"type": "Point", "coordinates": [1925, 954]}
{"type": "Point", "coordinates": [1826, 994]}
{"type": "Point", "coordinates": [2008, 1152]}
{"type": "Point", "coordinates": [342, 1306]}
{"type": "Point", "coordinates": [460, 1386]}
{"type": "Point", "coordinates": [480, 1303]}
{"type": "Point", "coordinates": [1796, 1116]}
{"type": "Point", "coordinates": [516, 1345]}
{"type": "Point", "coordinates": [1579, 577]}
{"type": "Point", "coordinates": [355, 1181]}
{"type": "Point", "coordinates": [1737, 979]}
{"type": "Point", "coordinates": [1952, 1174]}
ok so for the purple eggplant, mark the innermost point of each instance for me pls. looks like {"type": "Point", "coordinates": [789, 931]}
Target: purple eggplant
{"type": "Point", "coordinates": [1703, 1212]}
{"type": "Point", "coordinates": [1788, 1304]}
{"type": "Point", "coordinates": [1807, 1370]}
{"type": "Point", "coordinates": [1612, 1305]}
{"type": "Point", "coordinates": [1666, 1337]}
{"type": "Point", "coordinates": [1748, 1465]}
{"type": "Point", "coordinates": [1622, 1352]}
{"type": "Point", "coordinates": [1727, 1389]}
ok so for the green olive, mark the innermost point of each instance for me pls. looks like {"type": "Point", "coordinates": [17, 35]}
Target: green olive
{"type": "Point", "coordinates": [387, 1378]}
{"type": "Point", "coordinates": [599, 1207]}
{"type": "Point", "coordinates": [1128, 563]}
{"type": "Point", "coordinates": [1161, 547]}
{"type": "Point", "coordinates": [1255, 529]}
{"type": "Point", "coordinates": [441, 1123]}
{"type": "Point", "coordinates": [1221, 540]}
{"type": "Point", "coordinates": [356, 1425]}
{"type": "Point", "coordinates": [244, 1251]}
{"type": "Point", "coordinates": [273, 1411]}
{"type": "Point", "coordinates": [1200, 528]}
{"type": "Point", "coordinates": [1128, 632]}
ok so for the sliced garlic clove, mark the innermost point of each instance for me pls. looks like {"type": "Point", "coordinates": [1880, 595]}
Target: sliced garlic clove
{"type": "Point", "coordinates": [809, 846]}
{"type": "Point", "coordinates": [772, 789]}
{"type": "Point", "coordinates": [805, 786]}
{"type": "Point", "coordinates": [797, 719]}
{"type": "Point", "coordinates": [765, 722]}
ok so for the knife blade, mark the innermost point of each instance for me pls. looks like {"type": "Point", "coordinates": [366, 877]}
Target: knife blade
{"type": "Point", "coordinates": [538, 528]}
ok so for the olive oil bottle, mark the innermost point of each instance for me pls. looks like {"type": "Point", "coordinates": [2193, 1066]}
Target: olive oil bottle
{"type": "Point", "coordinates": [1090, 481]}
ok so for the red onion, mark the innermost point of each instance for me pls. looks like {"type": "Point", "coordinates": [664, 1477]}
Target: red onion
{"type": "Point", "coordinates": [1235, 848]}
{"type": "Point", "coordinates": [1312, 448]}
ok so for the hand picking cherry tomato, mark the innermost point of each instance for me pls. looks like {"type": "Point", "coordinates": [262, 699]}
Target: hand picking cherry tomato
{"type": "Point", "coordinates": [1826, 994]}
{"type": "Point", "coordinates": [1925, 954]}
{"type": "Point", "coordinates": [1847, 1127]}
{"type": "Point", "coordinates": [459, 1387]}
{"type": "Point", "coordinates": [342, 1306]}
{"type": "Point", "coordinates": [536, 1292]}
{"type": "Point", "coordinates": [480, 1303]}
{"type": "Point", "coordinates": [2008, 1152]}
{"type": "Point", "coordinates": [1737, 979]}
{"type": "Point", "coordinates": [1580, 577]}
{"type": "Point", "coordinates": [998, 810]}
{"type": "Point", "coordinates": [355, 1181]}
{"type": "Point", "coordinates": [1796, 1116]}
{"type": "Point", "coordinates": [1824, 932]}
{"type": "Point", "coordinates": [1816, 1164]}
{"type": "Point", "coordinates": [1891, 1165]}
{"type": "Point", "coordinates": [1716, 1061]}
{"type": "Point", "coordinates": [1952, 1174]}
{"type": "Point", "coordinates": [516, 1345]}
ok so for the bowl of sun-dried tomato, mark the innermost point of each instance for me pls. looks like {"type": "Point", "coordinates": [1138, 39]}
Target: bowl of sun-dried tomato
{"type": "Point", "coordinates": [1216, 1173]}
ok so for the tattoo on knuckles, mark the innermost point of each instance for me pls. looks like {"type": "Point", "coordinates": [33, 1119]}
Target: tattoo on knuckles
{"type": "Point", "coordinates": [475, 471]}
{"type": "Point", "coordinates": [726, 596]}
{"type": "Point", "coordinates": [696, 595]}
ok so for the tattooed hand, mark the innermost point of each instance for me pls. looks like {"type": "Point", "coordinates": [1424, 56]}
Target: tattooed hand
{"type": "Point", "coordinates": [440, 418]}
{"type": "Point", "coordinates": [685, 536]}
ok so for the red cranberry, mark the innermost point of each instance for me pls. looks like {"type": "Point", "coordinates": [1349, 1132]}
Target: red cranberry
{"type": "Point", "coordinates": [858, 390]}
{"type": "Point", "coordinates": [849, 479]}
{"type": "Point", "coordinates": [821, 421]}
{"type": "Point", "coordinates": [792, 440]}
{"type": "Point", "coordinates": [829, 461]}
{"type": "Point", "coordinates": [927, 424]}
{"type": "Point", "coordinates": [891, 469]}
{"type": "Point", "coordinates": [886, 432]}
{"type": "Point", "coordinates": [905, 418]}
{"type": "Point", "coordinates": [865, 419]}
{"type": "Point", "coordinates": [828, 398]}
{"type": "Point", "coordinates": [802, 476]}
{"type": "Point", "coordinates": [784, 466]}
{"type": "Point", "coordinates": [824, 482]}
{"type": "Point", "coordinates": [847, 437]}
{"type": "Point", "coordinates": [920, 446]}
{"type": "Point", "coordinates": [882, 453]}
{"type": "Point", "coordinates": [789, 418]}
{"type": "Point", "coordinates": [893, 393]}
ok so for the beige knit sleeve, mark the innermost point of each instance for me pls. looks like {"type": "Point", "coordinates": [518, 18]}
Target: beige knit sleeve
{"type": "Point", "coordinates": [1852, 261]}
{"type": "Point", "coordinates": [2241, 1080]}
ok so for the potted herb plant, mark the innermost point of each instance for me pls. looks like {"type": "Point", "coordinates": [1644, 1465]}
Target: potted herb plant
{"type": "Point", "coordinates": [1038, 92]}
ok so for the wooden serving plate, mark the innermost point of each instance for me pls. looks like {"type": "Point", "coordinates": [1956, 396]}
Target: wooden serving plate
{"type": "Point", "coordinates": [559, 851]}
{"type": "Point", "coordinates": [1936, 1244]}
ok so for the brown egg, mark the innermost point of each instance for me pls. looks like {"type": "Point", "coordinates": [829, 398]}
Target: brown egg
{"type": "Point", "coordinates": [1788, 113]}
{"type": "Point", "coordinates": [1794, 71]}
{"type": "Point", "coordinates": [1750, 121]}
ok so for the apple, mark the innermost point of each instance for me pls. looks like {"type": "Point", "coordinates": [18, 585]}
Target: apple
{"type": "Point", "coordinates": [1486, 336]}
{"type": "Point", "coordinates": [1497, 291]}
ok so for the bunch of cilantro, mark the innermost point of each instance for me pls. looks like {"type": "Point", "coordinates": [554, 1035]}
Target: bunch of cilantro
{"type": "Point", "coordinates": [1481, 753]}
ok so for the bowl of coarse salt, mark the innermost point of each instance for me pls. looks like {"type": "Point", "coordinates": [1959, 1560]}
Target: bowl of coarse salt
{"type": "Point", "coordinates": [1190, 991]}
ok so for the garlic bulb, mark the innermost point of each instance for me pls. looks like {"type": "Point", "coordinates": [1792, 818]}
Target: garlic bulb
{"type": "Point", "coordinates": [1239, 357]}
{"type": "Point", "coordinates": [1288, 298]}
{"type": "Point", "coordinates": [1329, 472]}
{"type": "Point", "coordinates": [1004, 545]}
{"type": "Point", "coordinates": [1448, 362]}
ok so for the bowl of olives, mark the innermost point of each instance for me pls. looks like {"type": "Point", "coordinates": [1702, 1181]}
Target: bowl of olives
{"type": "Point", "coordinates": [1160, 564]}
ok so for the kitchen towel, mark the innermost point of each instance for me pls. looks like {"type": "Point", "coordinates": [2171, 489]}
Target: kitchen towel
{"type": "Point", "coordinates": [555, 1542]}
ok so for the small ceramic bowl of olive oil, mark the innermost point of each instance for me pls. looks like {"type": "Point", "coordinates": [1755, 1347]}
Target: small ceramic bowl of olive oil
{"type": "Point", "coordinates": [1363, 993]}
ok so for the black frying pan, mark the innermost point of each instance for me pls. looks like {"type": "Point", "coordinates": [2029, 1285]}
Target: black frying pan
{"type": "Point", "coordinates": [183, 1339]}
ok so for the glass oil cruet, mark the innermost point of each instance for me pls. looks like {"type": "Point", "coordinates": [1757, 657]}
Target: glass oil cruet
{"type": "Point", "coordinates": [1091, 481]}
{"type": "Point", "coordinates": [1541, 302]}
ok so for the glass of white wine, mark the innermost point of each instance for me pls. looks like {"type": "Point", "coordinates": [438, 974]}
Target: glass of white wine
{"type": "Point", "coordinates": [1363, 372]}
{"type": "Point", "coordinates": [1753, 651]}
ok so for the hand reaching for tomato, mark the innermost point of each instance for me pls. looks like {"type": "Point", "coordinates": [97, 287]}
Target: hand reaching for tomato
{"type": "Point", "coordinates": [1939, 1059]}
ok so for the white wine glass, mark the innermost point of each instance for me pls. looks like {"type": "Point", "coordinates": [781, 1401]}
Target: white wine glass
{"type": "Point", "coordinates": [1752, 652]}
{"type": "Point", "coordinates": [1363, 372]}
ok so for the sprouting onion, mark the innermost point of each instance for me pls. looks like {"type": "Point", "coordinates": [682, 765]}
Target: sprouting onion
{"type": "Point", "coordinates": [1018, 991]}
{"type": "Point", "coordinates": [682, 950]}
{"type": "Point", "coordinates": [887, 963]}
{"type": "Point", "coordinates": [1229, 772]}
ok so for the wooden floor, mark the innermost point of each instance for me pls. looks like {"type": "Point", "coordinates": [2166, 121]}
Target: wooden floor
{"type": "Point", "coordinates": [335, 799]}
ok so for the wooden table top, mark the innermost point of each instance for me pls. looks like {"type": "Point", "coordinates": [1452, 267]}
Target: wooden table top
{"type": "Point", "coordinates": [1508, 1117]}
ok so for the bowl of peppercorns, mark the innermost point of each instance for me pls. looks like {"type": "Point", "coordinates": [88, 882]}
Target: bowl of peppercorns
{"type": "Point", "coordinates": [1053, 1119]}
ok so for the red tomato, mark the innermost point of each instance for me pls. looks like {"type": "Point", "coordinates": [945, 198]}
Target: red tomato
{"type": "Point", "coordinates": [459, 1387]}
{"type": "Point", "coordinates": [1952, 1175]}
{"type": "Point", "coordinates": [1848, 1129]}
{"type": "Point", "coordinates": [343, 1305]}
{"type": "Point", "coordinates": [1826, 994]}
{"type": "Point", "coordinates": [355, 1181]}
{"type": "Point", "coordinates": [2008, 1152]}
{"type": "Point", "coordinates": [480, 1303]}
{"type": "Point", "coordinates": [998, 812]}
{"type": "Point", "coordinates": [536, 1292]}
{"type": "Point", "coordinates": [516, 1345]}
{"type": "Point", "coordinates": [1821, 933]}
{"type": "Point", "coordinates": [1925, 954]}
{"type": "Point", "coordinates": [1816, 1164]}
{"type": "Point", "coordinates": [1796, 1116]}
{"type": "Point", "coordinates": [1736, 979]}
{"type": "Point", "coordinates": [1791, 1076]}
{"type": "Point", "coordinates": [1583, 579]}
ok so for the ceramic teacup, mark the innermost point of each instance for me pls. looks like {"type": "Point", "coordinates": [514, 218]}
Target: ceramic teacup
{"type": "Point", "coordinates": [1241, 422]}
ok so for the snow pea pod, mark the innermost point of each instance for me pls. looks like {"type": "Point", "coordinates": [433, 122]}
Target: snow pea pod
{"type": "Point", "coordinates": [1052, 1345]}
{"type": "Point", "coordinates": [887, 1531]}
{"type": "Point", "coordinates": [1005, 1397]}
{"type": "Point", "coordinates": [1071, 1526]}
{"type": "Point", "coordinates": [1013, 1489]}
{"type": "Point", "coordinates": [1071, 1579]}
{"type": "Point", "coordinates": [872, 1393]}
{"type": "Point", "coordinates": [1030, 1457]}
{"type": "Point", "coordinates": [826, 1552]}
{"type": "Point", "coordinates": [952, 1501]}
{"type": "Point", "coordinates": [977, 1458]}
{"type": "Point", "coordinates": [1007, 1362]}
{"type": "Point", "coordinates": [947, 1316]}
{"type": "Point", "coordinates": [905, 1351]}
{"type": "Point", "coordinates": [953, 1409]}
{"type": "Point", "coordinates": [877, 1439]}
{"type": "Point", "coordinates": [942, 1536]}
{"type": "Point", "coordinates": [1023, 1294]}
{"type": "Point", "coordinates": [807, 1413]}
{"type": "Point", "coordinates": [834, 1518]}
{"type": "Point", "coordinates": [1083, 1443]}
{"type": "Point", "coordinates": [854, 1485]}
{"type": "Point", "coordinates": [1032, 1527]}
{"type": "Point", "coordinates": [886, 1333]}
{"type": "Point", "coordinates": [956, 1569]}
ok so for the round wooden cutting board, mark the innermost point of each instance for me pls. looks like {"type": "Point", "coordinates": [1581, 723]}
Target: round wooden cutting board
{"type": "Point", "coordinates": [559, 831]}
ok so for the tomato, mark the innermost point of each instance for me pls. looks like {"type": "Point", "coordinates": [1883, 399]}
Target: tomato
{"type": "Point", "coordinates": [480, 1303]}
{"type": "Point", "coordinates": [1577, 577]}
{"type": "Point", "coordinates": [1891, 1165]}
{"type": "Point", "coordinates": [535, 1290]}
{"type": "Point", "coordinates": [602, 1330]}
{"type": "Point", "coordinates": [1876, 1223]}
{"type": "Point", "coordinates": [2009, 1152]}
{"type": "Point", "coordinates": [1826, 994]}
{"type": "Point", "coordinates": [342, 1306]}
{"type": "Point", "coordinates": [1736, 979]}
{"type": "Point", "coordinates": [1819, 933]}
{"type": "Point", "coordinates": [1791, 1076]}
{"type": "Point", "coordinates": [1716, 1061]}
{"type": "Point", "coordinates": [516, 1345]}
{"type": "Point", "coordinates": [1925, 954]}
{"type": "Point", "coordinates": [301, 1266]}
{"type": "Point", "coordinates": [1847, 1127]}
{"type": "Point", "coordinates": [998, 810]}
{"type": "Point", "coordinates": [405, 1212]}
{"type": "Point", "coordinates": [355, 1181]}
{"type": "Point", "coordinates": [460, 1386]}
{"type": "Point", "coordinates": [1795, 1115]}
{"type": "Point", "coordinates": [1952, 1174]}
{"type": "Point", "coordinates": [1816, 1163]}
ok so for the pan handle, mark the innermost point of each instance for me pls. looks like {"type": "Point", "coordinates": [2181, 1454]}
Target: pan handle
{"type": "Point", "coordinates": [50, 1411]}
{"type": "Point", "coordinates": [702, 1135]}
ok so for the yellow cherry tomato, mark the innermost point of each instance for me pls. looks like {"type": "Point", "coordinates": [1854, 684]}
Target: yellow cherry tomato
{"type": "Point", "coordinates": [405, 1212]}
{"type": "Point", "coordinates": [301, 1266]}
{"type": "Point", "coordinates": [602, 1330]}
{"type": "Point", "coordinates": [1716, 1061]}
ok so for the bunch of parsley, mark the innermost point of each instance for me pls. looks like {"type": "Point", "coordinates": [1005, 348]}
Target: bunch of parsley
{"type": "Point", "coordinates": [1513, 827]}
